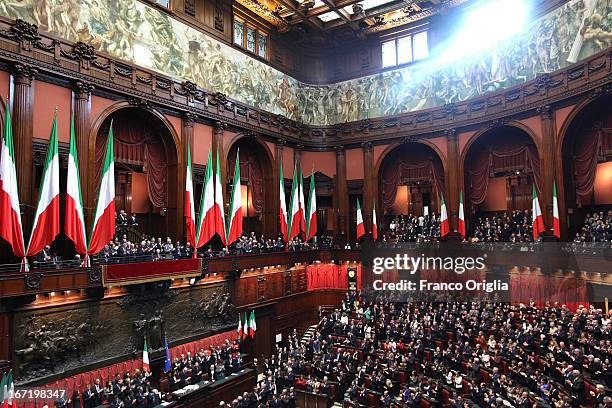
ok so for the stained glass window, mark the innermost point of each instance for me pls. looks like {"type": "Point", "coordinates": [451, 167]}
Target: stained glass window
{"type": "Point", "coordinates": [262, 46]}
{"type": "Point", "coordinates": [238, 32]}
{"type": "Point", "coordinates": [250, 39]}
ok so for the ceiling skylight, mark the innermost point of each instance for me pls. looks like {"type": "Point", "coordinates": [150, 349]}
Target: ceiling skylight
{"type": "Point", "coordinates": [329, 16]}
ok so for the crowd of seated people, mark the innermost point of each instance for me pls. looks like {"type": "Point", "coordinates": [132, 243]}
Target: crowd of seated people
{"type": "Point", "coordinates": [135, 390]}
{"type": "Point", "coordinates": [412, 228]}
{"type": "Point", "coordinates": [514, 226]}
{"type": "Point", "coordinates": [460, 354]}
{"type": "Point", "coordinates": [597, 228]}
{"type": "Point", "coordinates": [206, 365]}
{"type": "Point", "coordinates": [124, 390]}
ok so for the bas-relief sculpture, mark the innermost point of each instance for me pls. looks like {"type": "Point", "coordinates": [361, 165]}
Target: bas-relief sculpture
{"type": "Point", "coordinates": [57, 339]}
{"type": "Point", "coordinates": [133, 31]}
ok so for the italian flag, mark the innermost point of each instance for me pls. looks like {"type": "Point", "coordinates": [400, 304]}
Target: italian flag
{"type": "Point", "coordinates": [360, 225]}
{"type": "Point", "coordinates": [556, 220]}
{"type": "Point", "coordinates": [145, 356]}
{"type": "Point", "coordinates": [10, 214]}
{"type": "Point", "coordinates": [374, 223]}
{"type": "Point", "coordinates": [104, 220]}
{"type": "Point", "coordinates": [302, 204]}
{"type": "Point", "coordinates": [190, 219]}
{"type": "Point", "coordinates": [294, 220]}
{"type": "Point", "coordinates": [444, 226]}
{"type": "Point", "coordinates": [218, 210]}
{"type": "Point", "coordinates": [234, 225]}
{"type": "Point", "coordinates": [245, 329]}
{"type": "Point", "coordinates": [461, 216]}
{"type": "Point", "coordinates": [536, 215]}
{"type": "Point", "coordinates": [282, 215]}
{"type": "Point", "coordinates": [252, 324]}
{"type": "Point", "coordinates": [7, 390]}
{"type": "Point", "coordinates": [240, 329]}
{"type": "Point", "coordinates": [74, 224]}
{"type": "Point", "coordinates": [206, 221]}
{"type": "Point", "coordinates": [47, 219]}
{"type": "Point", "coordinates": [311, 221]}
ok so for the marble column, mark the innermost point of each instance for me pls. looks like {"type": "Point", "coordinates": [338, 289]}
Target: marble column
{"type": "Point", "coordinates": [547, 165]}
{"type": "Point", "coordinates": [368, 184]}
{"type": "Point", "coordinates": [454, 181]}
{"type": "Point", "coordinates": [217, 149]}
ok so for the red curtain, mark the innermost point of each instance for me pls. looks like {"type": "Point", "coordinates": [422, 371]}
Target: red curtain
{"type": "Point", "coordinates": [527, 287]}
{"type": "Point", "coordinates": [329, 276]}
{"type": "Point", "coordinates": [251, 170]}
{"type": "Point", "coordinates": [136, 145]}
{"type": "Point", "coordinates": [80, 381]}
{"type": "Point", "coordinates": [586, 149]}
{"type": "Point", "coordinates": [407, 165]}
{"type": "Point", "coordinates": [500, 156]}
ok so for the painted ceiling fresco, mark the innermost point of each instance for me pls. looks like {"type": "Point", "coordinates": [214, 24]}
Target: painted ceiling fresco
{"type": "Point", "coordinates": [135, 32]}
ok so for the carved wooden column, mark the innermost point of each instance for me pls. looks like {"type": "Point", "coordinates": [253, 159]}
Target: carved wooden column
{"type": "Point", "coordinates": [547, 164]}
{"type": "Point", "coordinates": [217, 148]}
{"type": "Point", "coordinates": [278, 156]}
{"type": "Point", "coordinates": [454, 180]}
{"type": "Point", "coordinates": [82, 107]}
{"type": "Point", "coordinates": [368, 190]}
{"type": "Point", "coordinates": [23, 122]}
{"type": "Point", "coordinates": [341, 192]}
{"type": "Point", "coordinates": [297, 157]}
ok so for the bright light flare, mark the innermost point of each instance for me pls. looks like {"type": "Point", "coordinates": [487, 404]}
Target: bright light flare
{"type": "Point", "coordinates": [485, 26]}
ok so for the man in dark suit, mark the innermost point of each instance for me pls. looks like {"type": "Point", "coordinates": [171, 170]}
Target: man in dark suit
{"type": "Point", "coordinates": [88, 397]}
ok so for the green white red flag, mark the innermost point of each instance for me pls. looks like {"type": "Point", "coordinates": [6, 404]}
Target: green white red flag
{"type": "Point", "coordinates": [190, 218]}
{"type": "Point", "coordinates": [103, 228]}
{"type": "Point", "coordinates": [206, 219]}
{"type": "Point", "coordinates": [556, 220]}
{"type": "Point", "coordinates": [294, 217]}
{"type": "Point", "coordinates": [311, 221]}
{"type": "Point", "coordinates": [145, 356]}
{"type": "Point", "coordinates": [282, 215]}
{"type": "Point", "coordinates": [252, 324]}
{"type": "Point", "coordinates": [444, 225]}
{"type": "Point", "coordinates": [374, 223]}
{"type": "Point", "coordinates": [7, 391]}
{"type": "Point", "coordinates": [46, 224]}
{"type": "Point", "coordinates": [461, 215]}
{"type": "Point", "coordinates": [536, 215]}
{"type": "Point", "coordinates": [11, 229]}
{"type": "Point", "coordinates": [240, 330]}
{"type": "Point", "coordinates": [360, 225]}
{"type": "Point", "coordinates": [74, 223]}
{"type": "Point", "coordinates": [234, 225]}
{"type": "Point", "coordinates": [218, 210]}
{"type": "Point", "coordinates": [302, 204]}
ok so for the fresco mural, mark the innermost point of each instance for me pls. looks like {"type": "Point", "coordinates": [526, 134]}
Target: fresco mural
{"type": "Point", "coordinates": [135, 32]}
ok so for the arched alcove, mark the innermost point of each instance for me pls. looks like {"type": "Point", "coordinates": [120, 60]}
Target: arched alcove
{"type": "Point", "coordinates": [410, 177]}
{"type": "Point", "coordinates": [500, 166]}
{"type": "Point", "coordinates": [257, 177]}
{"type": "Point", "coordinates": [585, 145]}
{"type": "Point", "coordinates": [147, 167]}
